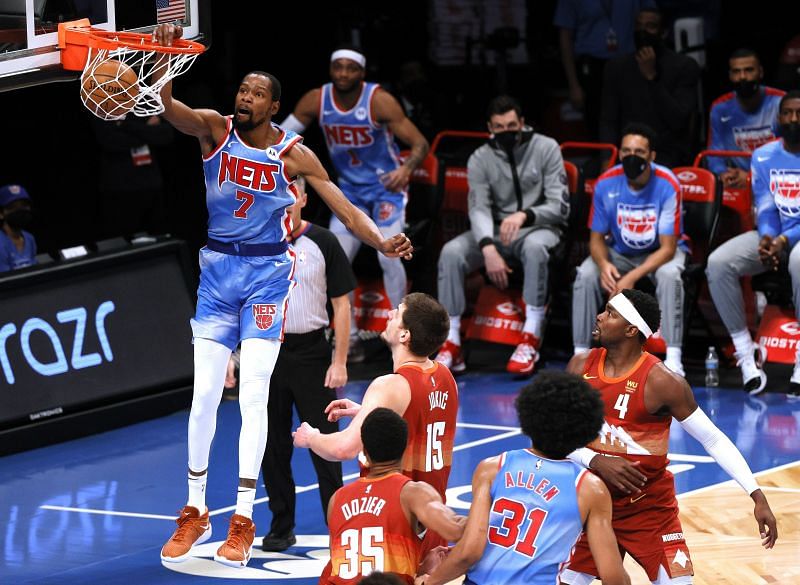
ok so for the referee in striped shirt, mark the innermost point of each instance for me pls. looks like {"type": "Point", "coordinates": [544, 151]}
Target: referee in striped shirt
{"type": "Point", "coordinates": [306, 374]}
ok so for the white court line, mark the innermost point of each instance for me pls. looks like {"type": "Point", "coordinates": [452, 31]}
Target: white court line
{"type": "Point", "coordinates": [300, 489]}
{"type": "Point", "coordinates": [106, 512]}
{"type": "Point", "coordinates": [732, 482]}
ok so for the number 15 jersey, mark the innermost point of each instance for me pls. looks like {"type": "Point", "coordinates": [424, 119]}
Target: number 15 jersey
{"type": "Point", "coordinates": [431, 417]}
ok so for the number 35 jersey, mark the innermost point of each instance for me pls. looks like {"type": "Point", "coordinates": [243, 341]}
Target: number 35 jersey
{"type": "Point", "coordinates": [431, 417]}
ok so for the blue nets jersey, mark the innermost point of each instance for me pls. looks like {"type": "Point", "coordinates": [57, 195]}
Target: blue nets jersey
{"type": "Point", "coordinates": [360, 148]}
{"type": "Point", "coordinates": [534, 521]}
{"type": "Point", "coordinates": [776, 191]}
{"type": "Point", "coordinates": [734, 129]}
{"type": "Point", "coordinates": [248, 190]}
{"type": "Point", "coordinates": [635, 219]}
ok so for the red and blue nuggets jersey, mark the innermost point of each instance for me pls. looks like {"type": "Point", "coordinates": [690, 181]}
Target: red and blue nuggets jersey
{"type": "Point", "coordinates": [732, 128]}
{"type": "Point", "coordinates": [370, 532]}
{"type": "Point", "coordinates": [248, 189]}
{"type": "Point", "coordinates": [360, 148]}
{"type": "Point", "coordinates": [534, 520]}
{"type": "Point", "coordinates": [636, 219]}
{"type": "Point", "coordinates": [776, 191]}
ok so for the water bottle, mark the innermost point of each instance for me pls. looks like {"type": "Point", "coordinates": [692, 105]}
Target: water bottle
{"type": "Point", "coordinates": [712, 368]}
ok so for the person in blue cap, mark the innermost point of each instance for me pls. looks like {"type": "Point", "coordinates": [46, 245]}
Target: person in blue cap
{"type": "Point", "coordinates": [17, 246]}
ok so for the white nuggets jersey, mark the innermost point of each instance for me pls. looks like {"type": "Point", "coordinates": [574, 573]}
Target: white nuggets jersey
{"type": "Point", "coordinates": [248, 190]}
{"type": "Point", "coordinates": [360, 148]}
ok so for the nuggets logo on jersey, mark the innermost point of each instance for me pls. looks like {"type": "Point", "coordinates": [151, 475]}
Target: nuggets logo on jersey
{"type": "Point", "coordinates": [785, 186]}
{"type": "Point", "coordinates": [637, 224]}
{"type": "Point", "coordinates": [263, 315]}
{"type": "Point", "coordinates": [748, 138]}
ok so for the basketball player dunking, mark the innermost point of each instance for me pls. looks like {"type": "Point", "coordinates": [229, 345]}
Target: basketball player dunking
{"type": "Point", "coordinates": [420, 390]}
{"type": "Point", "coordinates": [630, 454]}
{"type": "Point", "coordinates": [247, 270]}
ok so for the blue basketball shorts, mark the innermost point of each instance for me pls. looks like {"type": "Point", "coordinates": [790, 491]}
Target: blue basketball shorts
{"type": "Point", "coordinates": [242, 297]}
{"type": "Point", "coordinates": [384, 207]}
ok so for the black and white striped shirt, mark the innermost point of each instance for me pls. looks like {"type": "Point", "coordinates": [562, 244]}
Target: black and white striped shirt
{"type": "Point", "coordinates": [322, 271]}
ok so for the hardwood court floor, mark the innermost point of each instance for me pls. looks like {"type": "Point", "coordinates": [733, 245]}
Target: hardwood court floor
{"type": "Point", "coordinates": [97, 510]}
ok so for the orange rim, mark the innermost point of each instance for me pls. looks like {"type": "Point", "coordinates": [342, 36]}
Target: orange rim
{"type": "Point", "coordinates": [77, 33]}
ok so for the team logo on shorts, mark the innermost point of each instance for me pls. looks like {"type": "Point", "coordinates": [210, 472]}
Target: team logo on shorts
{"type": "Point", "coordinates": [263, 315]}
{"type": "Point", "coordinates": [385, 210]}
{"type": "Point", "coordinates": [637, 225]}
{"type": "Point", "coordinates": [785, 186]}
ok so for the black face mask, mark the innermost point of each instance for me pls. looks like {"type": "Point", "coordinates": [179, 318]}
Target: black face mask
{"type": "Point", "coordinates": [642, 38]}
{"type": "Point", "coordinates": [746, 89]}
{"type": "Point", "coordinates": [19, 219]}
{"type": "Point", "coordinates": [507, 140]}
{"type": "Point", "coordinates": [790, 133]}
{"type": "Point", "coordinates": [633, 166]}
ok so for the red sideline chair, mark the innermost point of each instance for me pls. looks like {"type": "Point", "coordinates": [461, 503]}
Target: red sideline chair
{"type": "Point", "coordinates": [576, 152]}
{"type": "Point", "coordinates": [739, 200]}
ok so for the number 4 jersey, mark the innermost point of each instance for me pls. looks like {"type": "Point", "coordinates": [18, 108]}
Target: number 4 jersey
{"type": "Point", "coordinates": [534, 521]}
{"type": "Point", "coordinates": [370, 532]}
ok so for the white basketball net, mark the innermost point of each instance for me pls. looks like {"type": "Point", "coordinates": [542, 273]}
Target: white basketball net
{"type": "Point", "coordinates": [142, 98]}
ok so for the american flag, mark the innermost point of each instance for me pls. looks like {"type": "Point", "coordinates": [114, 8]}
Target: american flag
{"type": "Point", "coordinates": [168, 10]}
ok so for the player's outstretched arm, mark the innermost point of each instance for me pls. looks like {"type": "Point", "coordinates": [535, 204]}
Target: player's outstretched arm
{"type": "Point", "coordinates": [676, 396]}
{"type": "Point", "coordinates": [388, 111]}
{"type": "Point", "coordinates": [595, 504]}
{"type": "Point", "coordinates": [305, 112]}
{"type": "Point", "coordinates": [302, 161]}
{"type": "Point", "coordinates": [207, 125]}
{"type": "Point", "coordinates": [386, 391]}
{"type": "Point", "coordinates": [426, 505]}
{"type": "Point", "coordinates": [470, 548]}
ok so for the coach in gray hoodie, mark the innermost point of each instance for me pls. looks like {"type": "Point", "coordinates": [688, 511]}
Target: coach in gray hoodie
{"type": "Point", "coordinates": [518, 208]}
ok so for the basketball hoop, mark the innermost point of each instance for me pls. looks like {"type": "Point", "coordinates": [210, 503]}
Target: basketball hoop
{"type": "Point", "coordinates": [117, 68]}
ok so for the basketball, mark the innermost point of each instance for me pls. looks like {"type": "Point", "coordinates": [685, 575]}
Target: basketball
{"type": "Point", "coordinates": [109, 88]}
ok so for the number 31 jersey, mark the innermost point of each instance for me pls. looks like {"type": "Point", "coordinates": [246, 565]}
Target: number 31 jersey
{"type": "Point", "coordinates": [534, 520]}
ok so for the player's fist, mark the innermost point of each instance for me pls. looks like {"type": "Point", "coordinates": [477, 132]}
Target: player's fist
{"type": "Point", "coordinates": [166, 32]}
{"type": "Point", "coordinates": [398, 245]}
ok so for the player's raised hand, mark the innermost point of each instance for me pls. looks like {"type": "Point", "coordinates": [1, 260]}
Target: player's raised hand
{"type": "Point", "coordinates": [398, 245]}
{"type": "Point", "coordinates": [620, 473]}
{"type": "Point", "coordinates": [340, 408]}
{"type": "Point", "coordinates": [767, 525]}
{"type": "Point", "coordinates": [167, 32]}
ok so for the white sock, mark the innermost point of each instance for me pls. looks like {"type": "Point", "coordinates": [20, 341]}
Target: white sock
{"type": "Point", "coordinates": [673, 354]}
{"type": "Point", "coordinates": [197, 492]}
{"type": "Point", "coordinates": [455, 330]}
{"type": "Point", "coordinates": [244, 502]}
{"type": "Point", "coordinates": [534, 317]}
{"type": "Point", "coordinates": [743, 342]}
{"type": "Point", "coordinates": [580, 349]}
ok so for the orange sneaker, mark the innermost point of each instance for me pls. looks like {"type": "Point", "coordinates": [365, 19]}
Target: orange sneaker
{"type": "Point", "coordinates": [450, 356]}
{"type": "Point", "coordinates": [235, 552]}
{"type": "Point", "coordinates": [524, 358]}
{"type": "Point", "coordinates": [193, 529]}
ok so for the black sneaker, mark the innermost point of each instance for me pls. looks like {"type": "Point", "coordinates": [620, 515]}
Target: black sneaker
{"type": "Point", "coordinates": [274, 543]}
{"type": "Point", "coordinates": [794, 391]}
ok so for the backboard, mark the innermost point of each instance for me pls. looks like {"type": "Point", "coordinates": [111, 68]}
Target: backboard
{"type": "Point", "coordinates": [29, 52]}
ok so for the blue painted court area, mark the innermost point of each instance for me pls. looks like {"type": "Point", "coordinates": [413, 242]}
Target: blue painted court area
{"type": "Point", "coordinates": [97, 510]}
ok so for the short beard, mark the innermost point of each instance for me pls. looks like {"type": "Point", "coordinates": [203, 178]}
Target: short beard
{"type": "Point", "coordinates": [243, 126]}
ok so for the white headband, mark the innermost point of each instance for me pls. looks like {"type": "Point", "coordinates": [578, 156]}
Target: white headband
{"type": "Point", "coordinates": [349, 54]}
{"type": "Point", "coordinates": [624, 307]}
